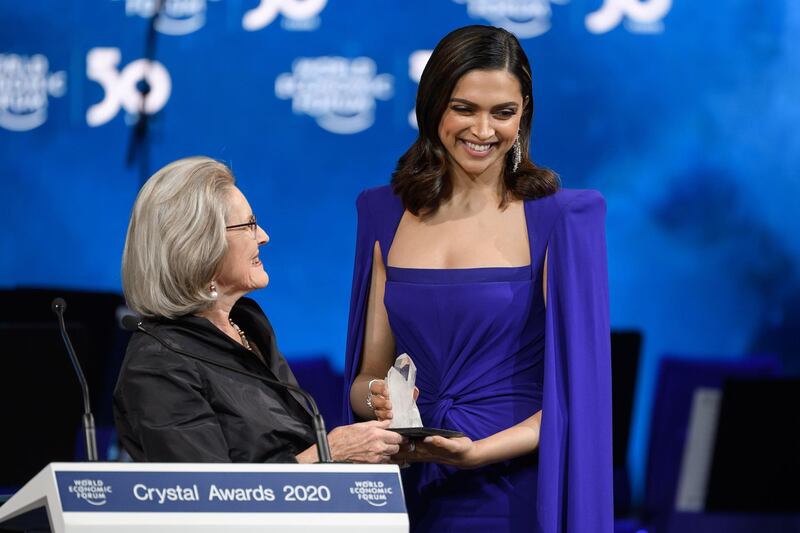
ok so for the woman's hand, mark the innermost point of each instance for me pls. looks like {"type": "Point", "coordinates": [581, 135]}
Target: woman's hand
{"type": "Point", "coordinates": [365, 442]}
{"type": "Point", "coordinates": [381, 404]}
{"type": "Point", "coordinates": [516, 441]}
{"type": "Point", "coordinates": [461, 452]}
{"type": "Point", "coordinates": [379, 397]}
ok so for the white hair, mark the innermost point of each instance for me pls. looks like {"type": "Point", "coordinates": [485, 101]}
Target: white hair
{"type": "Point", "coordinates": [176, 238]}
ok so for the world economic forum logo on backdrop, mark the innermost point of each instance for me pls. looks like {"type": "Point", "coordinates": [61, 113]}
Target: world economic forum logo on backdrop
{"type": "Point", "coordinates": [298, 15]}
{"type": "Point", "coordinates": [177, 17]}
{"type": "Point", "coordinates": [120, 85]}
{"type": "Point", "coordinates": [26, 85]}
{"type": "Point", "coordinates": [641, 16]}
{"type": "Point", "coordinates": [338, 92]}
{"type": "Point", "coordinates": [523, 18]}
{"type": "Point", "coordinates": [416, 64]}
{"type": "Point", "coordinates": [93, 491]}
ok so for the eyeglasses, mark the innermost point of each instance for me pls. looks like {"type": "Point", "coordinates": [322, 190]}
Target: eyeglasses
{"type": "Point", "coordinates": [252, 226]}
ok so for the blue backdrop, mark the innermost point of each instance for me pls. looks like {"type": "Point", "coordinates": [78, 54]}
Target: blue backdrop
{"type": "Point", "coordinates": [683, 114]}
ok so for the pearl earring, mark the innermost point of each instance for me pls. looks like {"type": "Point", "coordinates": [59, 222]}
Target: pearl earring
{"type": "Point", "coordinates": [213, 291]}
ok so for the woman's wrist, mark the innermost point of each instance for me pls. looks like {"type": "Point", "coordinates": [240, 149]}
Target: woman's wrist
{"type": "Point", "coordinates": [307, 456]}
{"type": "Point", "coordinates": [476, 457]}
{"type": "Point", "coordinates": [358, 397]}
{"type": "Point", "coordinates": [511, 443]}
{"type": "Point", "coordinates": [369, 394]}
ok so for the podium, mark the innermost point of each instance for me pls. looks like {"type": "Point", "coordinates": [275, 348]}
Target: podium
{"type": "Point", "coordinates": [210, 498]}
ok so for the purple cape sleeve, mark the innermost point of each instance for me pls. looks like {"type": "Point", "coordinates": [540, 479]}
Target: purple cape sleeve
{"type": "Point", "coordinates": [379, 213]}
{"type": "Point", "coordinates": [365, 239]}
{"type": "Point", "coordinates": [575, 493]}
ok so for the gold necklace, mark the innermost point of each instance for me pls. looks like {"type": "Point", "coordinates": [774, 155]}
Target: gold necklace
{"type": "Point", "coordinates": [242, 336]}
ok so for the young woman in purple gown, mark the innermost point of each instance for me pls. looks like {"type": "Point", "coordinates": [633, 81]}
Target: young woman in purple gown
{"type": "Point", "coordinates": [494, 281]}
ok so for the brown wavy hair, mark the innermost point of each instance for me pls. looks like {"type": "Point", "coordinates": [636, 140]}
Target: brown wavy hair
{"type": "Point", "coordinates": [421, 178]}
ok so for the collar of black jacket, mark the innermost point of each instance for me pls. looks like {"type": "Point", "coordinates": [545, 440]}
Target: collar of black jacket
{"type": "Point", "coordinates": [196, 333]}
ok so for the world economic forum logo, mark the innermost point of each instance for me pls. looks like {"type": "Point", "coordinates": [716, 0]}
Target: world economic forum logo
{"type": "Point", "coordinates": [26, 85]}
{"type": "Point", "coordinates": [416, 64]}
{"type": "Point", "coordinates": [119, 85]}
{"type": "Point", "coordinates": [374, 493]}
{"type": "Point", "coordinates": [338, 92]}
{"type": "Point", "coordinates": [641, 16]}
{"type": "Point", "coordinates": [177, 17]}
{"type": "Point", "coordinates": [523, 18]}
{"type": "Point", "coordinates": [93, 491]}
{"type": "Point", "coordinates": [298, 15]}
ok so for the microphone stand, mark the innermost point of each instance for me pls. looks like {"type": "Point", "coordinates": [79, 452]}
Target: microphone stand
{"type": "Point", "coordinates": [59, 306]}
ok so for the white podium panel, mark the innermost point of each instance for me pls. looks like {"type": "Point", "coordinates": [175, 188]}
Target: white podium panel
{"type": "Point", "coordinates": [213, 498]}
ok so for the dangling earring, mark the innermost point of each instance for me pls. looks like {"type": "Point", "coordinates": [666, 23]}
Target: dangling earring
{"type": "Point", "coordinates": [516, 154]}
{"type": "Point", "coordinates": [213, 291]}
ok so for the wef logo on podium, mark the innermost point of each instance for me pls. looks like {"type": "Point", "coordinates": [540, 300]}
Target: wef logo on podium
{"type": "Point", "coordinates": [92, 491]}
{"type": "Point", "coordinates": [374, 493]}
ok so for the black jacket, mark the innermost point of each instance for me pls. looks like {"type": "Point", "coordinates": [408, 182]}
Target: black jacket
{"type": "Point", "coordinates": [171, 408]}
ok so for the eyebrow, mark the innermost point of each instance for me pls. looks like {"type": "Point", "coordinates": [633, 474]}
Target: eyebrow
{"type": "Point", "coordinates": [498, 106]}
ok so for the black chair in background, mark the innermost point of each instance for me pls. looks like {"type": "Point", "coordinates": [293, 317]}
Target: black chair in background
{"type": "Point", "coordinates": [39, 392]}
{"type": "Point", "coordinates": [626, 348]}
{"type": "Point", "coordinates": [749, 469]}
{"type": "Point", "coordinates": [756, 465]}
{"type": "Point", "coordinates": [679, 379]}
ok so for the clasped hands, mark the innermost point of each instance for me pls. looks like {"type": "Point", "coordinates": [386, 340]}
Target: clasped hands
{"type": "Point", "coordinates": [460, 452]}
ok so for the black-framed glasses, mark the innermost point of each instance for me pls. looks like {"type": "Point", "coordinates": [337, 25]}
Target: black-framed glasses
{"type": "Point", "coordinates": [252, 226]}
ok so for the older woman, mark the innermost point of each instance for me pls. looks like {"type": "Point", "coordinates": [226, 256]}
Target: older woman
{"type": "Point", "coordinates": [191, 254]}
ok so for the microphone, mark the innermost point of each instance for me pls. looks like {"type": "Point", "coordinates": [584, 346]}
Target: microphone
{"type": "Point", "coordinates": [133, 323]}
{"type": "Point", "coordinates": [59, 306]}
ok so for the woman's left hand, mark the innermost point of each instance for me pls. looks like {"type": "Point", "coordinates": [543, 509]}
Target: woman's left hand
{"type": "Point", "coordinates": [461, 452]}
{"type": "Point", "coordinates": [516, 441]}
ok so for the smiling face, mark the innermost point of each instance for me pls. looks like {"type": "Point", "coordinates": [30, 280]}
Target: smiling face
{"type": "Point", "coordinates": [481, 122]}
{"type": "Point", "coordinates": [241, 270]}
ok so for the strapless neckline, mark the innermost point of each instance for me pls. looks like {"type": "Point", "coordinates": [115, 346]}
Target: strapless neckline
{"type": "Point", "coordinates": [459, 275]}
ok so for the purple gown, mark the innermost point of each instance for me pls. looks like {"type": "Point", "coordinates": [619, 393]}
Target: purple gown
{"type": "Point", "coordinates": [490, 354]}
